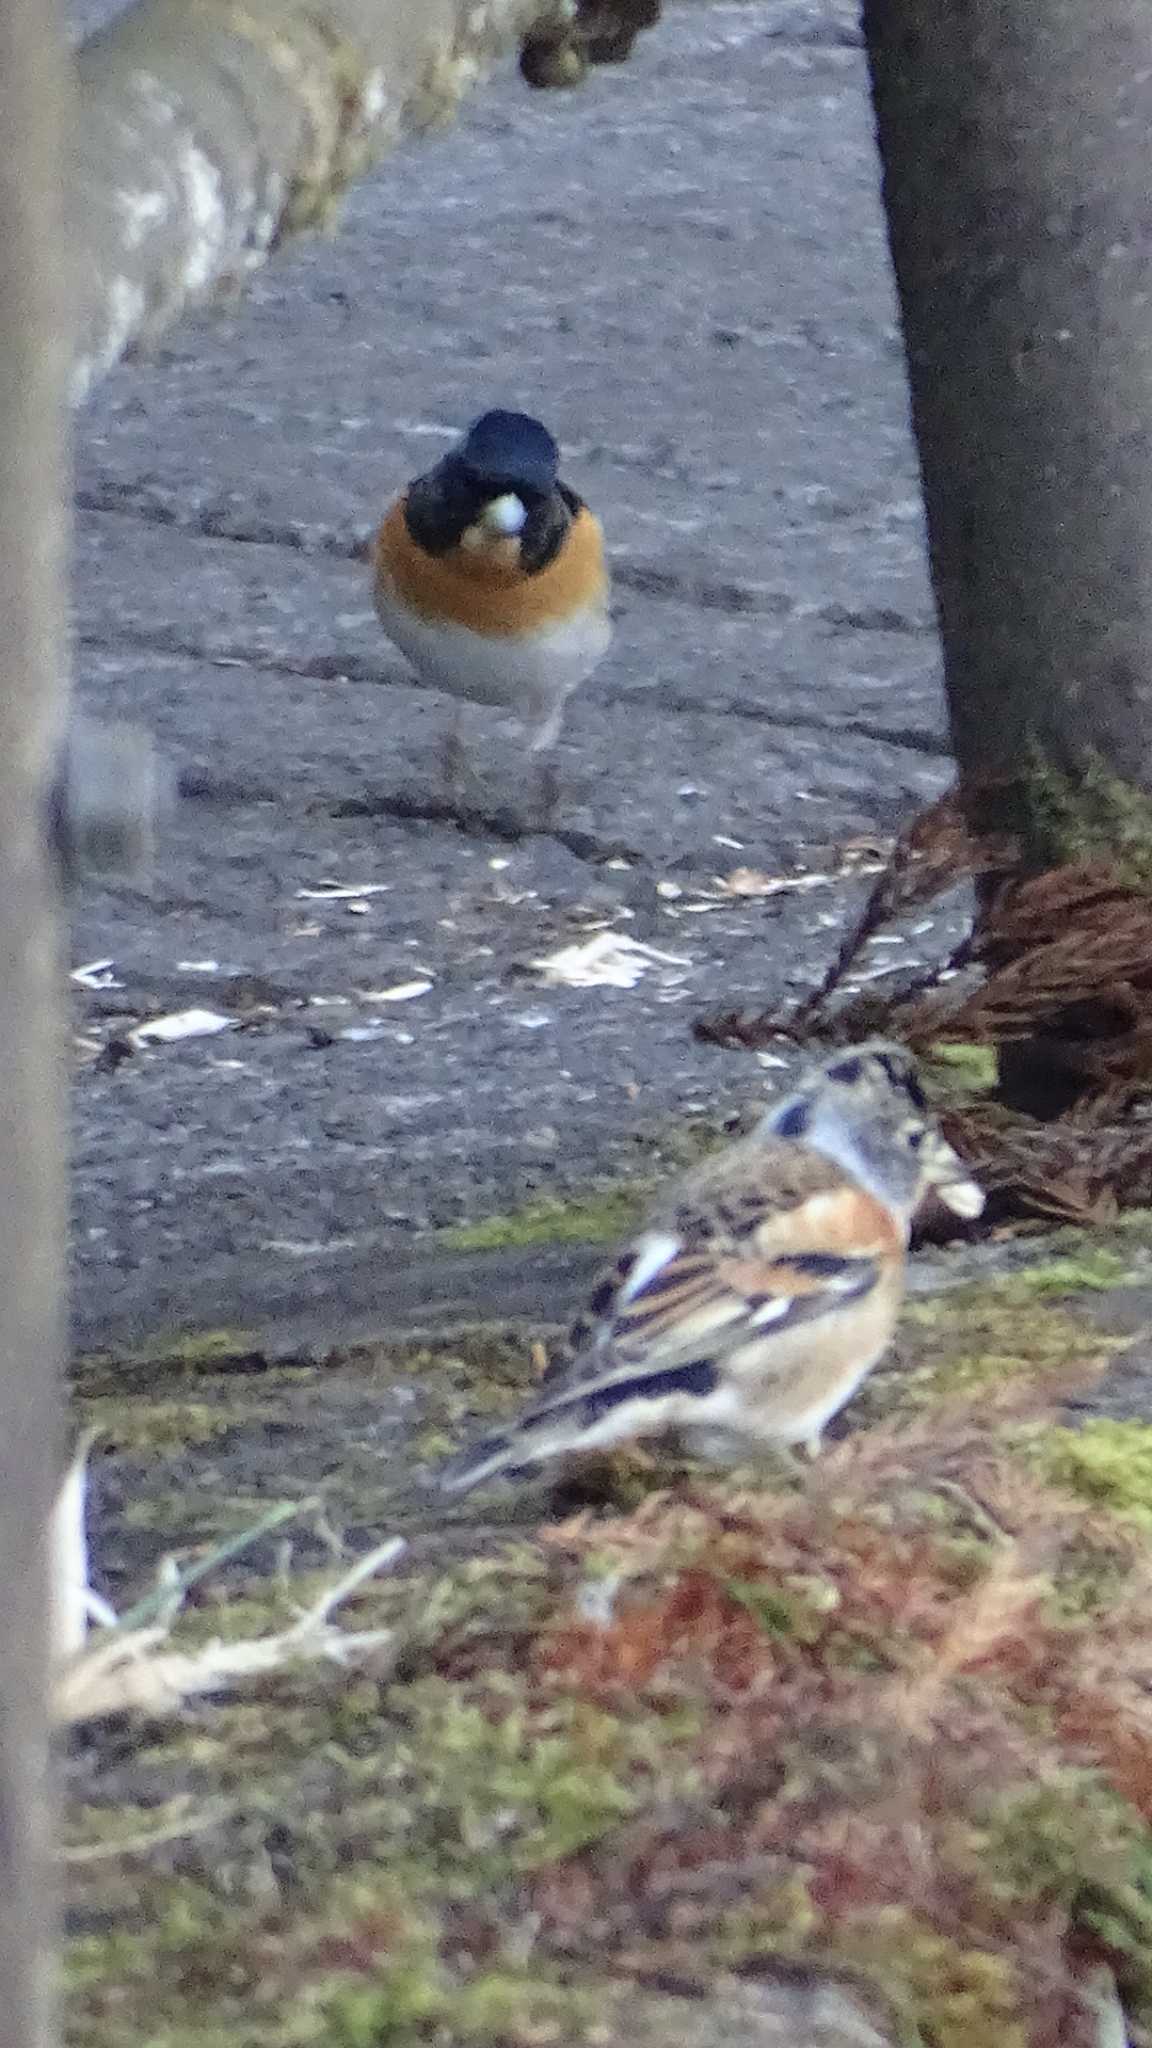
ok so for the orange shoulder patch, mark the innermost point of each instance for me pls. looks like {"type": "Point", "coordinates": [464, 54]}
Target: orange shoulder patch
{"type": "Point", "coordinates": [846, 1221]}
{"type": "Point", "coordinates": [484, 589]}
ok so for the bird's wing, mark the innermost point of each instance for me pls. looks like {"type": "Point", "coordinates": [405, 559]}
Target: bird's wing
{"type": "Point", "coordinates": [749, 1264]}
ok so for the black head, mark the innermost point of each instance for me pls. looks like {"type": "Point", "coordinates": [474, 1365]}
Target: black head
{"type": "Point", "coordinates": [509, 450]}
{"type": "Point", "coordinates": [503, 454]}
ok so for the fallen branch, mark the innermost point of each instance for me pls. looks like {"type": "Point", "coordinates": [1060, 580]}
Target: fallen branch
{"type": "Point", "coordinates": [130, 1664]}
{"type": "Point", "coordinates": [212, 131]}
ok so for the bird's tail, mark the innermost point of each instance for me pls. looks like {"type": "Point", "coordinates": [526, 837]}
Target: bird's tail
{"type": "Point", "coordinates": [592, 1417]}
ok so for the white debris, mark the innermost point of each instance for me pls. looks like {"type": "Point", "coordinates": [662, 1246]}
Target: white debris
{"type": "Point", "coordinates": [68, 1558]}
{"type": "Point", "coordinates": [131, 1669]}
{"type": "Point", "coordinates": [750, 882]}
{"type": "Point", "coordinates": [1102, 2001]}
{"type": "Point", "coordinates": [596, 1599]}
{"type": "Point", "coordinates": [400, 992]}
{"type": "Point", "coordinates": [106, 1663]}
{"type": "Point", "coordinates": [609, 960]}
{"type": "Point", "coordinates": [342, 892]}
{"type": "Point", "coordinates": [97, 974]}
{"type": "Point", "coordinates": [180, 1024]}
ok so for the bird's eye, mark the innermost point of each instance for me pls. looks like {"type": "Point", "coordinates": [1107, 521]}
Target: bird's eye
{"type": "Point", "coordinates": [916, 1135]}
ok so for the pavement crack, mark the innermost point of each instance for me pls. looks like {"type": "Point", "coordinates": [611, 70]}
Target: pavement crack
{"type": "Point", "coordinates": [321, 668]}
{"type": "Point", "coordinates": [709, 594]}
{"type": "Point", "coordinates": [354, 668]}
{"type": "Point", "coordinates": [481, 820]}
{"type": "Point", "coordinates": [219, 520]}
{"type": "Point", "coordinates": [819, 35]}
{"type": "Point", "coordinates": [913, 739]}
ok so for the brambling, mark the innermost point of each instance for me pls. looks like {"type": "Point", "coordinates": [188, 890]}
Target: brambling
{"type": "Point", "coordinates": [490, 575]}
{"type": "Point", "coordinates": [761, 1290]}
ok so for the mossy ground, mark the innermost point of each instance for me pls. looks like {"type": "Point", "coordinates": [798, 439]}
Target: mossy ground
{"type": "Point", "coordinates": [884, 1719]}
{"type": "Point", "coordinates": [599, 1217]}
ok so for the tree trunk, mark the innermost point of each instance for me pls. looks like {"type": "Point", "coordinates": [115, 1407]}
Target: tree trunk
{"type": "Point", "coordinates": [33, 368]}
{"type": "Point", "coordinates": [1014, 136]}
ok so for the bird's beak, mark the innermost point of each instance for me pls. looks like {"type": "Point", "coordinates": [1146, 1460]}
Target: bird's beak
{"type": "Point", "coordinates": [944, 1173]}
{"type": "Point", "coordinates": [504, 517]}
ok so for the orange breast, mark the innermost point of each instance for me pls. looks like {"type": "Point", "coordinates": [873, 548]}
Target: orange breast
{"type": "Point", "coordinates": [485, 589]}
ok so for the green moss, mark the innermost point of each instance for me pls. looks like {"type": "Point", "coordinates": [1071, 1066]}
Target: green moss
{"type": "Point", "coordinates": [412, 1995]}
{"type": "Point", "coordinates": [485, 1375]}
{"type": "Point", "coordinates": [200, 1348]}
{"type": "Point", "coordinates": [796, 1609]}
{"type": "Point", "coordinates": [1109, 1463]}
{"type": "Point", "coordinates": [1092, 1267]}
{"type": "Point", "coordinates": [142, 1426]}
{"type": "Point", "coordinates": [596, 1218]}
{"type": "Point", "coordinates": [396, 1813]}
{"type": "Point", "coordinates": [943, 1993]}
{"type": "Point", "coordinates": [1134, 1223]}
{"type": "Point", "coordinates": [501, 1794]}
{"type": "Point", "coordinates": [407, 2001]}
{"type": "Point", "coordinates": [956, 1070]}
{"type": "Point", "coordinates": [1073, 1847]}
{"type": "Point", "coordinates": [986, 1335]}
{"type": "Point", "coordinates": [602, 1213]}
{"type": "Point", "coordinates": [1091, 816]}
{"type": "Point", "coordinates": [167, 1353]}
{"type": "Point", "coordinates": [496, 1361]}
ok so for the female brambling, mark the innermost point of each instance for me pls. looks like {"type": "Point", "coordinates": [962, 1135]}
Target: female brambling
{"type": "Point", "coordinates": [490, 576]}
{"type": "Point", "coordinates": [761, 1290]}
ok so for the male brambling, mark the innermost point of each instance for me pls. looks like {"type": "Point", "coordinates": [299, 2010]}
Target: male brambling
{"type": "Point", "coordinates": [760, 1291]}
{"type": "Point", "coordinates": [490, 575]}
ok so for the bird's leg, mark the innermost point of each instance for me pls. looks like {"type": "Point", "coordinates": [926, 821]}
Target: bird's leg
{"type": "Point", "coordinates": [463, 787]}
{"type": "Point", "coordinates": [546, 793]}
{"type": "Point", "coordinates": [453, 758]}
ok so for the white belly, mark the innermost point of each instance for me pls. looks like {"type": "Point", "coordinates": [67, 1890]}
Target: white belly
{"type": "Point", "coordinates": [530, 676]}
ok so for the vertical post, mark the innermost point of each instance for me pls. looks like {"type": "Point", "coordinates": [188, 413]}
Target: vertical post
{"type": "Point", "coordinates": [34, 353]}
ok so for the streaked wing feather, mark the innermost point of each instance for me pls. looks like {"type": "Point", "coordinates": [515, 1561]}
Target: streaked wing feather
{"type": "Point", "coordinates": [699, 1309]}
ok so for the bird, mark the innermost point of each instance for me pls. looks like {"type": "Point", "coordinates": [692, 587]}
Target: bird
{"type": "Point", "coordinates": [759, 1292]}
{"type": "Point", "coordinates": [490, 576]}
